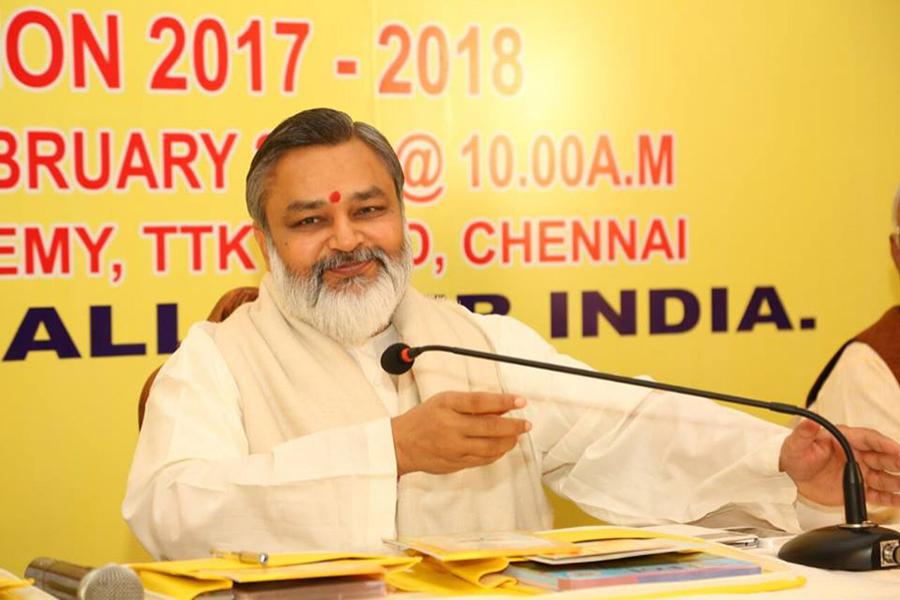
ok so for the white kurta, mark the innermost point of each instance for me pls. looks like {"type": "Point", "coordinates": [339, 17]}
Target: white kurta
{"type": "Point", "coordinates": [862, 391]}
{"type": "Point", "coordinates": [624, 454]}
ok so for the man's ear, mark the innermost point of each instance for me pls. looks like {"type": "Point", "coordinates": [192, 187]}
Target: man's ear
{"type": "Point", "coordinates": [260, 236]}
{"type": "Point", "coordinates": [895, 251]}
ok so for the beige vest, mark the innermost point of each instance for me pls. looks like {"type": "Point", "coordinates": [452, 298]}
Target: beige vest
{"type": "Point", "coordinates": [294, 381]}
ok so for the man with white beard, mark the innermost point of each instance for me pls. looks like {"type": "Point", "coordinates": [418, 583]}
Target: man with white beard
{"type": "Point", "coordinates": [356, 308]}
{"type": "Point", "coordinates": [276, 430]}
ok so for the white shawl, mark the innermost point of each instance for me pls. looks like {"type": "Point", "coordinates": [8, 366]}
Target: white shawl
{"type": "Point", "coordinates": [293, 381]}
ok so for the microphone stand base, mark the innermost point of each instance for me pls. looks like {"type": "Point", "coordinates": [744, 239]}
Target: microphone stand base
{"type": "Point", "coordinates": [841, 547]}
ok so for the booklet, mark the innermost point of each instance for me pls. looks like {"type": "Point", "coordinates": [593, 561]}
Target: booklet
{"type": "Point", "coordinates": [739, 537]}
{"type": "Point", "coordinates": [614, 549]}
{"type": "Point", "coordinates": [484, 544]}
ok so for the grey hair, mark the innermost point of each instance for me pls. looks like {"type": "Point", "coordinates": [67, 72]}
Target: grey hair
{"type": "Point", "coordinates": [313, 127]}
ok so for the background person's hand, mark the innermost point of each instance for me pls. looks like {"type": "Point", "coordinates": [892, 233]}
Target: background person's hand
{"type": "Point", "coordinates": [456, 430]}
{"type": "Point", "coordinates": [814, 460]}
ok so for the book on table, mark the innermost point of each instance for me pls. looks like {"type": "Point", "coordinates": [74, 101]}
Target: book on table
{"type": "Point", "coordinates": [648, 569]}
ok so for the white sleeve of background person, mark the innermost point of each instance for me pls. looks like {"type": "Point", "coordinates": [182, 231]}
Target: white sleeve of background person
{"type": "Point", "coordinates": [194, 485]}
{"type": "Point", "coordinates": [630, 455]}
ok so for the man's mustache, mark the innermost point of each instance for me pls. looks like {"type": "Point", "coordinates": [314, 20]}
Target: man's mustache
{"type": "Point", "coordinates": [340, 259]}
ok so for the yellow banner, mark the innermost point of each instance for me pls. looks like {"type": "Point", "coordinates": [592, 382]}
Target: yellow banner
{"type": "Point", "coordinates": [696, 190]}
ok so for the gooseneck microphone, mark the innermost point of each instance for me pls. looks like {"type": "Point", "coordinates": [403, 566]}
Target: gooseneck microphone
{"type": "Point", "coordinates": [856, 545]}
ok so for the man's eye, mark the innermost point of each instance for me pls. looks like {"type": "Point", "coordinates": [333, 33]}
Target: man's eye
{"type": "Point", "coordinates": [370, 210]}
{"type": "Point", "coordinates": [308, 221]}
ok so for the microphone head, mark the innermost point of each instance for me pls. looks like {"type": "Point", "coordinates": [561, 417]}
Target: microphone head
{"type": "Point", "coordinates": [112, 582]}
{"type": "Point", "coordinates": [396, 360]}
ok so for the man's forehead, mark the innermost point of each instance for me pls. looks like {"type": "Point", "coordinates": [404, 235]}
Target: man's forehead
{"type": "Point", "coordinates": [353, 196]}
{"type": "Point", "coordinates": [329, 174]}
{"type": "Point", "coordinates": [354, 155]}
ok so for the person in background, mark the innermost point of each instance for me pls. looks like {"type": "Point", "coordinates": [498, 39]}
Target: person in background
{"type": "Point", "coordinates": [860, 385]}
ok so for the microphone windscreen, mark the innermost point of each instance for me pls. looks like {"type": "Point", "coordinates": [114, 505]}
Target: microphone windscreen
{"type": "Point", "coordinates": [112, 582]}
{"type": "Point", "coordinates": [393, 361]}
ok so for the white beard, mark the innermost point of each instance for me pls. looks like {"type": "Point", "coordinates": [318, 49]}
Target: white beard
{"type": "Point", "coordinates": [357, 309]}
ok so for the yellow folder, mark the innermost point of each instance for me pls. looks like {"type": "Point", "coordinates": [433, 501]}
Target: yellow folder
{"type": "Point", "coordinates": [9, 584]}
{"type": "Point", "coordinates": [185, 579]}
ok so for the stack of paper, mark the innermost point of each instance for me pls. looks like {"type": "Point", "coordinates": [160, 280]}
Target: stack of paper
{"type": "Point", "coordinates": [616, 558]}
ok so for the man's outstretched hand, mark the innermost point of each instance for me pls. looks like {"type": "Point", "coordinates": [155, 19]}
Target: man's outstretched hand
{"type": "Point", "coordinates": [814, 460]}
{"type": "Point", "coordinates": [455, 430]}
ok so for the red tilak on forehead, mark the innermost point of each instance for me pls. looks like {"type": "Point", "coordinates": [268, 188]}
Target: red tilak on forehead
{"type": "Point", "coordinates": [335, 197]}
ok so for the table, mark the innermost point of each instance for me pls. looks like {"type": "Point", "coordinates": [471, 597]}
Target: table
{"type": "Point", "coordinates": [820, 585]}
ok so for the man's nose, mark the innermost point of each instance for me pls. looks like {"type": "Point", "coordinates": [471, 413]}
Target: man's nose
{"type": "Point", "coordinates": [344, 236]}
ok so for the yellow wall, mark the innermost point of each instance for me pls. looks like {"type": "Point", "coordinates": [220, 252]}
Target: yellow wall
{"type": "Point", "coordinates": [785, 156]}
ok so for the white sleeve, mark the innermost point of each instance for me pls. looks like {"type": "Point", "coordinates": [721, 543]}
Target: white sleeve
{"type": "Point", "coordinates": [195, 486]}
{"type": "Point", "coordinates": [630, 455]}
{"type": "Point", "coordinates": [861, 391]}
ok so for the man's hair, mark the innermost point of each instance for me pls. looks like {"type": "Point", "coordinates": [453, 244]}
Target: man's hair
{"type": "Point", "coordinates": [313, 127]}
